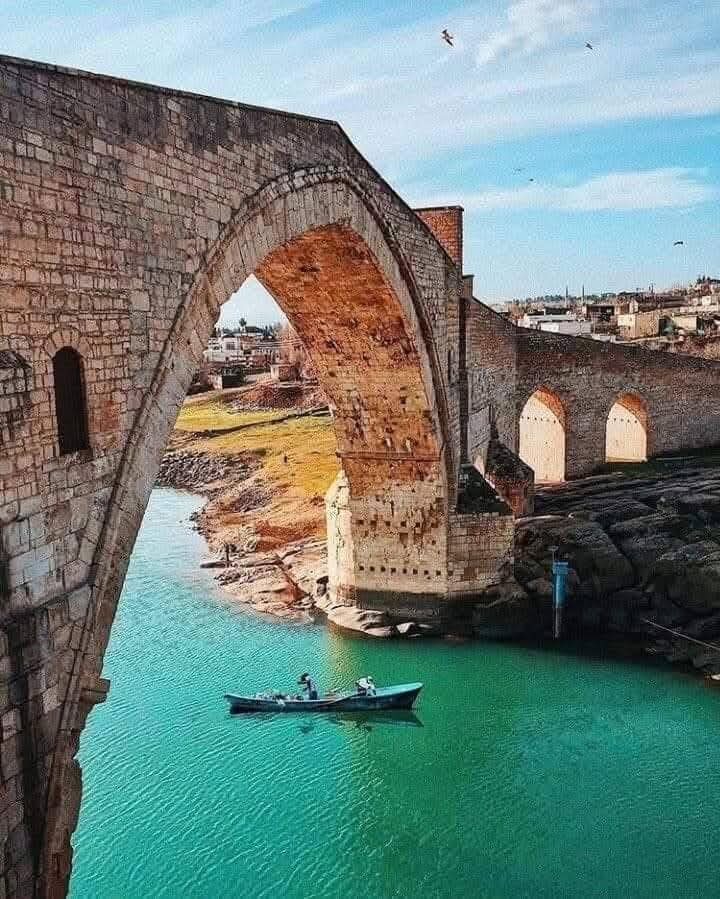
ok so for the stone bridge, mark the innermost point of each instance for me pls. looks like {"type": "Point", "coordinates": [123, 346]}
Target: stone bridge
{"type": "Point", "coordinates": [671, 399]}
{"type": "Point", "coordinates": [129, 214]}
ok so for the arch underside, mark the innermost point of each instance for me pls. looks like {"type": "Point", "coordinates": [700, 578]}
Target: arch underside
{"type": "Point", "coordinates": [353, 328]}
{"type": "Point", "coordinates": [542, 436]}
{"type": "Point", "coordinates": [333, 269]}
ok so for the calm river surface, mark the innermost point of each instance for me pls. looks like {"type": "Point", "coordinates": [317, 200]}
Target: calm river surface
{"type": "Point", "coordinates": [528, 772]}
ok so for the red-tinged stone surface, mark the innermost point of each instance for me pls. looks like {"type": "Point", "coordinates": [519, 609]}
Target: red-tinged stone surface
{"type": "Point", "coordinates": [446, 223]}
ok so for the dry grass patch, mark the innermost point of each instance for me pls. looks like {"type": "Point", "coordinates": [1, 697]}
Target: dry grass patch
{"type": "Point", "coordinates": [298, 463]}
{"type": "Point", "coordinates": [211, 411]}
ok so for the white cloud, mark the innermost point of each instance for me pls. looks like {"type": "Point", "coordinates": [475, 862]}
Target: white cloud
{"type": "Point", "coordinates": [400, 93]}
{"type": "Point", "coordinates": [656, 189]}
{"type": "Point", "coordinates": [532, 25]}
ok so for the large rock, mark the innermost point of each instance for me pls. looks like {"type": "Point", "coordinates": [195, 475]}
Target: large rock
{"type": "Point", "coordinates": [364, 621]}
{"type": "Point", "coordinates": [609, 512]}
{"type": "Point", "coordinates": [705, 506]}
{"type": "Point", "coordinates": [632, 599]}
{"type": "Point", "coordinates": [527, 569]}
{"type": "Point", "coordinates": [704, 628]}
{"type": "Point", "coordinates": [621, 609]}
{"type": "Point", "coordinates": [410, 629]}
{"type": "Point", "coordinates": [644, 550]}
{"type": "Point", "coordinates": [599, 565]}
{"type": "Point", "coordinates": [706, 659]}
{"type": "Point", "coordinates": [507, 612]}
{"type": "Point", "coordinates": [305, 562]}
{"type": "Point", "coordinates": [665, 612]}
{"type": "Point", "coordinates": [690, 576]}
{"type": "Point", "coordinates": [540, 587]}
{"type": "Point", "coordinates": [668, 524]}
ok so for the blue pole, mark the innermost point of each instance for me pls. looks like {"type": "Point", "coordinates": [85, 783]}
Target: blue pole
{"type": "Point", "coordinates": [559, 570]}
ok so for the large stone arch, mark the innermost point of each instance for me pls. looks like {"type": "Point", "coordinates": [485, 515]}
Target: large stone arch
{"type": "Point", "coordinates": [390, 417]}
{"type": "Point", "coordinates": [131, 212]}
{"type": "Point", "coordinates": [274, 230]}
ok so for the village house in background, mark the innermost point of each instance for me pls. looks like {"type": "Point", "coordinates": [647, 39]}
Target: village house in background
{"type": "Point", "coordinates": [293, 363]}
{"type": "Point", "coordinates": [245, 352]}
{"type": "Point", "coordinates": [254, 347]}
{"type": "Point", "coordinates": [681, 319]}
{"type": "Point", "coordinates": [678, 320]}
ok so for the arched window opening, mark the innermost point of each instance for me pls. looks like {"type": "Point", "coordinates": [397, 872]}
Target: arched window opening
{"type": "Point", "coordinates": [626, 430]}
{"type": "Point", "coordinates": [70, 405]}
{"type": "Point", "coordinates": [542, 436]}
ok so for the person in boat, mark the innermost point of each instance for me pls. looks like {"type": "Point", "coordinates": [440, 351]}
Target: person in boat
{"type": "Point", "coordinates": [309, 685]}
{"type": "Point", "coordinates": [366, 686]}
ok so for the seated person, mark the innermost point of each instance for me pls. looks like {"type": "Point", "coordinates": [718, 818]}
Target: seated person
{"type": "Point", "coordinates": [366, 686]}
{"type": "Point", "coordinates": [309, 685]}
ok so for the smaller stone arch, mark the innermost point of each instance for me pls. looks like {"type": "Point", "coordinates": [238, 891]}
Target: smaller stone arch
{"type": "Point", "coordinates": [66, 336]}
{"type": "Point", "coordinates": [626, 430]}
{"type": "Point", "coordinates": [71, 416]}
{"type": "Point", "coordinates": [73, 407]}
{"type": "Point", "coordinates": [542, 436]}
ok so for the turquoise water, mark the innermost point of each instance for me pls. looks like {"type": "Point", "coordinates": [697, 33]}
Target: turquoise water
{"type": "Point", "coordinates": [527, 772]}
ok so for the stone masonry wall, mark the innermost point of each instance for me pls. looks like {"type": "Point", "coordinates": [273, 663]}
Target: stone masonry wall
{"type": "Point", "coordinates": [446, 223]}
{"type": "Point", "coordinates": [491, 372]}
{"type": "Point", "coordinates": [506, 364]}
{"type": "Point", "coordinates": [680, 394]}
{"type": "Point", "coordinates": [129, 214]}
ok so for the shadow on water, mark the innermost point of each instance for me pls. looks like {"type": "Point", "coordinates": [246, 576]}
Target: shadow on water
{"type": "Point", "coordinates": [361, 720]}
{"type": "Point", "coordinates": [597, 647]}
{"type": "Point", "coordinates": [369, 720]}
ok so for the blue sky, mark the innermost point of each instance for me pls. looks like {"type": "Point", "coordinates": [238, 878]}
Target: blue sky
{"type": "Point", "coordinates": [623, 142]}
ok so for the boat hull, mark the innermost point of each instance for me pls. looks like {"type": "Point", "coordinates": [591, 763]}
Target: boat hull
{"type": "Point", "coordinates": [401, 697]}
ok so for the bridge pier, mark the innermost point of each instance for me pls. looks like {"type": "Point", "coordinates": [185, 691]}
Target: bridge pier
{"type": "Point", "coordinates": [403, 551]}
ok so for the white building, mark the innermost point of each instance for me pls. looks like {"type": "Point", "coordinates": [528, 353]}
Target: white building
{"type": "Point", "coordinates": [557, 323]}
{"type": "Point", "coordinates": [224, 349]}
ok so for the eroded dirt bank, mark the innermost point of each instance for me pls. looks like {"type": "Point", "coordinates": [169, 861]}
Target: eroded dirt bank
{"type": "Point", "coordinates": [264, 457]}
{"type": "Point", "coordinates": [642, 542]}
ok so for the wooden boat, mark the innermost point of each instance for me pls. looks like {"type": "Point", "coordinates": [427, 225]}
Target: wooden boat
{"type": "Point", "coordinates": [399, 697]}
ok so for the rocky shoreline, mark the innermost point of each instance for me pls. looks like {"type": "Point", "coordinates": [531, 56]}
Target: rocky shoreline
{"type": "Point", "coordinates": [644, 556]}
{"type": "Point", "coordinates": [643, 548]}
{"type": "Point", "coordinates": [284, 582]}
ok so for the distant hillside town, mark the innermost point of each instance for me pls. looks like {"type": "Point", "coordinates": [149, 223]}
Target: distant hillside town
{"type": "Point", "coordinates": [234, 354]}
{"type": "Point", "coordinates": [662, 320]}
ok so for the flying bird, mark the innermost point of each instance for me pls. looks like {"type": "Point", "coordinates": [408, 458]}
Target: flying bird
{"type": "Point", "coordinates": [521, 169]}
{"type": "Point", "coordinates": [531, 179]}
{"type": "Point", "coordinates": [447, 37]}
{"type": "Point", "coordinates": [589, 45]}
{"type": "Point", "coordinates": [679, 243]}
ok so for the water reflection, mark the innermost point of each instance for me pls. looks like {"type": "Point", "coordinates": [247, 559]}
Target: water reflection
{"type": "Point", "coordinates": [369, 720]}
